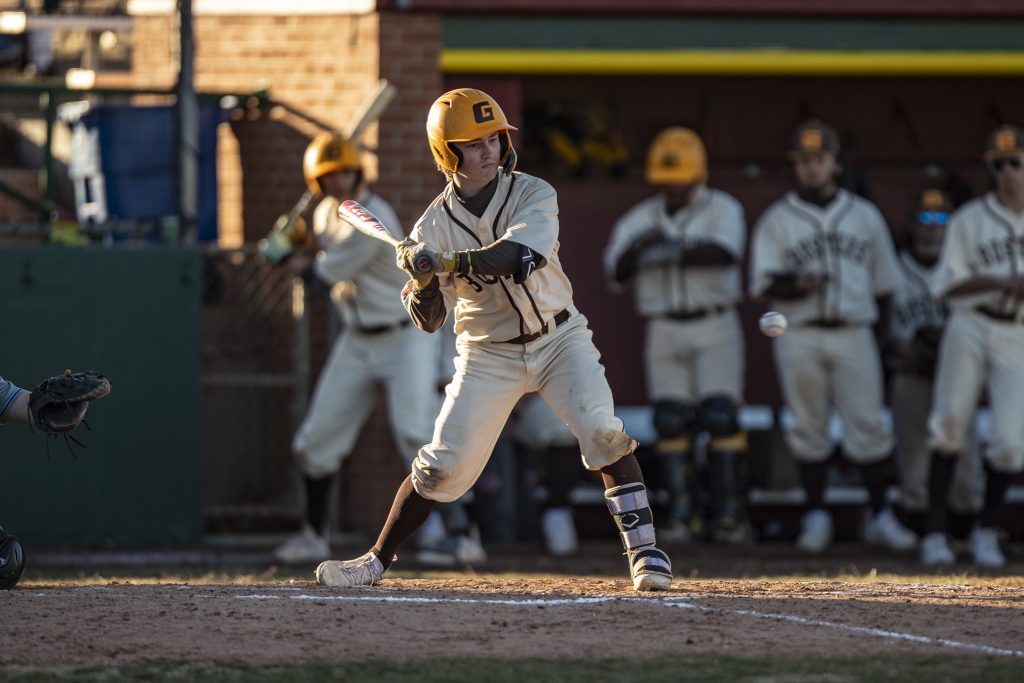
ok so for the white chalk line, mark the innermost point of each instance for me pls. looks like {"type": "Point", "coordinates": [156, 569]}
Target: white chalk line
{"type": "Point", "coordinates": [668, 601]}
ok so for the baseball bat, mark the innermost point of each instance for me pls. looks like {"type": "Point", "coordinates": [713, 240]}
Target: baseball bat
{"type": "Point", "coordinates": [360, 218]}
{"type": "Point", "coordinates": [372, 109]}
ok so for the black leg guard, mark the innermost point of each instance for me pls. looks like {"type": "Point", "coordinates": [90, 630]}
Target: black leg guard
{"type": "Point", "coordinates": [649, 567]}
{"type": "Point", "coordinates": [729, 494]}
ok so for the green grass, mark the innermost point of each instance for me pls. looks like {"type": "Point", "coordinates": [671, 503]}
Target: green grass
{"type": "Point", "coordinates": [710, 668]}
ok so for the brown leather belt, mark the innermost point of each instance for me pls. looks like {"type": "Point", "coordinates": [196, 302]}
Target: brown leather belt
{"type": "Point", "coordinates": [560, 318]}
{"type": "Point", "coordinates": [999, 315]}
{"type": "Point", "coordinates": [381, 329]}
{"type": "Point", "coordinates": [697, 314]}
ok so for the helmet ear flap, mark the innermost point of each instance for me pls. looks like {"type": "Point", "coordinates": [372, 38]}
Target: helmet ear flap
{"type": "Point", "coordinates": [454, 151]}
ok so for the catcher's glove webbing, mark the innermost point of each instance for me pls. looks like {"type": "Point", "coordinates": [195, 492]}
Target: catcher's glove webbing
{"type": "Point", "coordinates": [59, 404]}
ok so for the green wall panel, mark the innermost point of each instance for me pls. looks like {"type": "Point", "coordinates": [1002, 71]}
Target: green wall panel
{"type": "Point", "coordinates": [133, 314]}
{"type": "Point", "coordinates": [497, 32]}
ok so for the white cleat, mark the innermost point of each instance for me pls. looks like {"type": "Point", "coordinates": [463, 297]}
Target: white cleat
{"type": "Point", "coordinates": [984, 544]}
{"type": "Point", "coordinates": [559, 531]}
{"type": "Point", "coordinates": [885, 530]}
{"type": "Point", "coordinates": [650, 568]}
{"type": "Point", "coordinates": [304, 546]}
{"type": "Point", "coordinates": [362, 571]}
{"type": "Point", "coordinates": [815, 531]}
{"type": "Point", "coordinates": [935, 551]}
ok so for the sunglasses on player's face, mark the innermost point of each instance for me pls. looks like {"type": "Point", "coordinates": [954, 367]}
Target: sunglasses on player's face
{"type": "Point", "coordinates": [1006, 162]}
{"type": "Point", "coordinates": [932, 217]}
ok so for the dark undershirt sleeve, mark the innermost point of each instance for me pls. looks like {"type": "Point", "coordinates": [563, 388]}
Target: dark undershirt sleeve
{"type": "Point", "coordinates": [708, 254]}
{"type": "Point", "coordinates": [504, 257]}
{"type": "Point", "coordinates": [425, 306]}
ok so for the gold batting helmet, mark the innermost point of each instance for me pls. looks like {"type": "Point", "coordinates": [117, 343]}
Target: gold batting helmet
{"type": "Point", "coordinates": [1004, 141]}
{"type": "Point", "coordinates": [676, 157]}
{"type": "Point", "coordinates": [460, 116]}
{"type": "Point", "coordinates": [327, 153]}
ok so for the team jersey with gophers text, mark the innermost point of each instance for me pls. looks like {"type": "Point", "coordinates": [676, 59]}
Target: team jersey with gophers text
{"type": "Point", "coordinates": [913, 305]}
{"type": "Point", "coordinates": [714, 217]}
{"type": "Point", "coordinates": [524, 210]}
{"type": "Point", "coordinates": [984, 238]}
{"type": "Point", "coordinates": [366, 282]}
{"type": "Point", "coordinates": [847, 241]}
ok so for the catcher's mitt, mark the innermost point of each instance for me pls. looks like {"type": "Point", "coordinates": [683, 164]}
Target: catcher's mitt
{"type": "Point", "coordinates": [59, 404]}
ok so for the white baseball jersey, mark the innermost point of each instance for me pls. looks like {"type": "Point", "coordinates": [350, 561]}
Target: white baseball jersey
{"type": "Point", "coordinates": [826, 368]}
{"type": "Point", "coordinates": [913, 305]}
{"type": "Point", "coordinates": [377, 347]}
{"type": "Point", "coordinates": [984, 238]}
{"type": "Point", "coordinates": [524, 210]}
{"type": "Point", "coordinates": [847, 241]}
{"type": "Point", "coordinates": [366, 284]}
{"type": "Point", "coordinates": [714, 217]}
{"type": "Point", "coordinates": [491, 376]}
{"type": "Point", "coordinates": [978, 351]}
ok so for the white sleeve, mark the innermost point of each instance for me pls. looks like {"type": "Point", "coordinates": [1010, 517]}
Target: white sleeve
{"type": "Point", "coordinates": [885, 271]}
{"type": "Point", "coordinates": [766, 254]}
{"type": "Point", "coordinates": [730, 226]}
{"type": "Point", "coordinates": [535, 221]}
{"type": "Point", "coordinates": [953, 267]}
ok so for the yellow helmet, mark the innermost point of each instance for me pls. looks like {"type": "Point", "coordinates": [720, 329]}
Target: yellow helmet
{"type": "Point", "coordinates": [463, 115]}
{"type": "Point", "coordinates": [327, 153]}
{"type": "Point", "coordinates": [676, 157]}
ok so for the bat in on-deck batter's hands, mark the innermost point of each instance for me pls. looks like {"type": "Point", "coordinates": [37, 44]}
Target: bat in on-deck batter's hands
{"type": "Point", "coordinates": [356, 215]}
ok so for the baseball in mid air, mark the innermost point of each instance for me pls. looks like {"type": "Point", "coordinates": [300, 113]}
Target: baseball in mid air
{"type": "Point", "coordinates": [773, 324]}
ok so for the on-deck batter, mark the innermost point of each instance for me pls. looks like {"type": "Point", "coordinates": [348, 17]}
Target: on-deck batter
{"type": "Point", "coordinates": [982, 272]}
{"type": "Point", "coordinates": [680, 252]}
{"type": "Point", "coordinates": [493, 235]}
{"type": "Point", "coordinates": [822, 256]}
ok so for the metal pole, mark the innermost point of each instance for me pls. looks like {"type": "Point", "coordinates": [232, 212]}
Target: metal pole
{"type": "Point", "coordinates": [188, 125]}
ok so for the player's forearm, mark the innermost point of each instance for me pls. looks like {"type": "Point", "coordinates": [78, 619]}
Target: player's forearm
{"type": "Point", "coordinates": [501, 258]}
{"type": "Point", "coordinates": [707, 254]}
{"type": "Point", "coordinates": [14, 405]}
{"type": "Point", "coordinates": [980, 283]}
{"type": "Point", "coordinates": [425, 305]}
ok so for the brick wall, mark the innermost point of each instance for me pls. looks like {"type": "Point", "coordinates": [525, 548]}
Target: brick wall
{"type": "Point", "coordinates": [318, 71]}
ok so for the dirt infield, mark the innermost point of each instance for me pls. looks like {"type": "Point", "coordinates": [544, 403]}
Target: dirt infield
{"type": "Point", "coordinates": [264, 618]}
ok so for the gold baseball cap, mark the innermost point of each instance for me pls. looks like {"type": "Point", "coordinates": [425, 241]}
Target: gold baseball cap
{"type": "Point", "coordinates": [1004, 141]}
{"type": "Point", "coordinates": [814, 136]}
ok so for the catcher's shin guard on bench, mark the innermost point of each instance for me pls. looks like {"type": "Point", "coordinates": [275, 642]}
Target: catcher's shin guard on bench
{"type": "Point", "coordinates": [650, 567]}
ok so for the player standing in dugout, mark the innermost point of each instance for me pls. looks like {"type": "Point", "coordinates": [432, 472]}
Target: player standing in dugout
{"type": "Point", "coordinates": [824, 258]}
{"type": "Point", "coordinates": [982, 272]}
{"type": "Point", "coordinates": [679, 251]}
{"type": "Point", "coordinates": [493, 237]}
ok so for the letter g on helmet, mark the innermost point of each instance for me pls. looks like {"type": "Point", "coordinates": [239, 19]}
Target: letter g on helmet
{"type": "Point", "coordinates": [460, 116]}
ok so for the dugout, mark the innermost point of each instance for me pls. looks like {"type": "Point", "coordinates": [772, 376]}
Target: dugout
{"type": "Point", "coordinates": [912, 85]}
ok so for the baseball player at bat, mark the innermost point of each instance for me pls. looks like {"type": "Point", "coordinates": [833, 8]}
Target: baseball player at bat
{"type": "Point", "coordinates": [377, 347]}
{"type": "Point", "coordinates": [493, 233]}
{"type": "Point", "coordinates": [981, 270]}
{"type": "Point", "coordinates": [824, 258]}
{"type": "Point", "coordinates": [679, 251]}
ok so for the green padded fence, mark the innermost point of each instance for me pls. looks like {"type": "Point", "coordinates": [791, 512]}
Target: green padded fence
{"type": "Point", "coordinates": [133, 314]}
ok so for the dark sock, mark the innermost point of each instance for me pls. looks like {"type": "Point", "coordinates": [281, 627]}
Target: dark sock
{"type": "Point", "coordinates": [996, 484]}
{"type": "Point", "coordinates": [940, 477]}
{"type": "Point", "coordinates": [624, 471]}
{"type": "Point", "coordinates": [317, 493]}
{"type": "Point", "coordinates": [408, 513]}
{"type": "Point", "coordinates": [876, 480]}
{"type": "Point", "coordinates": [563, 467]}
{"type": "Point", "coordinates": [812, 477]}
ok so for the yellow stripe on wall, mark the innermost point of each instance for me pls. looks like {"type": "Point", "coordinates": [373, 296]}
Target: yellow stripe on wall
{"type": "Point", "coordinates": [733, 63]}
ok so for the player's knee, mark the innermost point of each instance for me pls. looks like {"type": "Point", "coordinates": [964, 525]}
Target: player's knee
{"type": "Point", "coordinates": [719, 416]}
{"type": "Point", "coordinates": [674, 419]}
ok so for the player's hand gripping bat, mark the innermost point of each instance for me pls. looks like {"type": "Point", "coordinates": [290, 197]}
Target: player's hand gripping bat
{"type": "Point", "coordinates": [355, 214]}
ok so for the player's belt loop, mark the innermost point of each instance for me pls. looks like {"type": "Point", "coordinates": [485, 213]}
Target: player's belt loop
{"type": "Point", "coordinates": [559, 318]}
